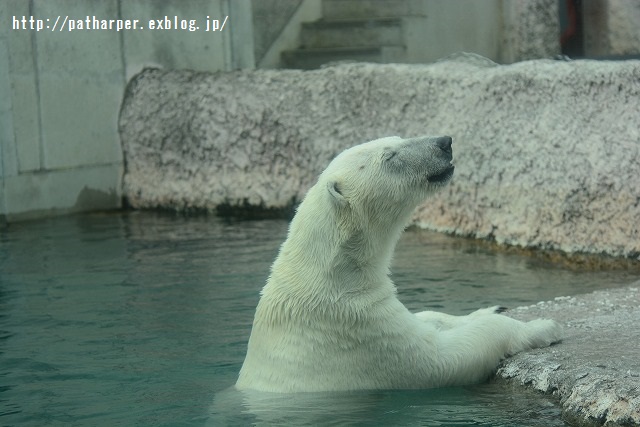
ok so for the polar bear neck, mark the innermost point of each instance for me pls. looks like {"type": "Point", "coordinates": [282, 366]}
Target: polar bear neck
{"type": "Point", "coordinates": [324, 254]}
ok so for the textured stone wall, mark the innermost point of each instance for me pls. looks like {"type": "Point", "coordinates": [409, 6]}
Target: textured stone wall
{"type": "Point", "coordinates": [547, 152]}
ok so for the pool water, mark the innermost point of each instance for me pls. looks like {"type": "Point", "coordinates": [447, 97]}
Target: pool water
{"type": "Point", "coordinates": [140, 318]}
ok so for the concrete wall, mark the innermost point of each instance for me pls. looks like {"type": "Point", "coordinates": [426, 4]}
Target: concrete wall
{"type": "Point", "coordinates": [504, 31]}
{"type": "Point", "coordinates": [270, 18]}
{"type": "Point", "coordinates": [531, 30]}
{"type": "Point", "coordinates": [443, 28]}
{"type": "Point", "coordinates": [60, 91]}
{"type": "Point", "coordinates": [611, 28]}
{"type": "Point", "coordinates": [287, 36]}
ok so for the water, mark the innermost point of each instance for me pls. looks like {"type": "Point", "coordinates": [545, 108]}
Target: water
{"type": "Point", "coordinates": [143, 318]}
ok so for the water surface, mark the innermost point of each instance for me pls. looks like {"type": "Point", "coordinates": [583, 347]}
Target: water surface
{"type": "Point", "coordinates": [142, 319]}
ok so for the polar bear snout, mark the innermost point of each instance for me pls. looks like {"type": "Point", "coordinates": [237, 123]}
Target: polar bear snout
{"type": "Point", "coordinates": [442, 168]}
{"type": "Point", "coordinates": [444, 143]}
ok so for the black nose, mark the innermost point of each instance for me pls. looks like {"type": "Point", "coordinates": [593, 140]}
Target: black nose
{"type": "Point", "coordinates": [444, 142]}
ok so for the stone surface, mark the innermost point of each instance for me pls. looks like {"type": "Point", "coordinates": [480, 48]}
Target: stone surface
{"type": "Point", "coordinates": [547, 152]}
{"type": "Point", "coordinates": [595, 370]}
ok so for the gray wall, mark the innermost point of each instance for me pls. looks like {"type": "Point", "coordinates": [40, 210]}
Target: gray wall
{"type": "Point", "coordinates": [611, 28]}
{"type": "Point", "coordinates": [60, 92]}
{"type": "Point", "coordinates": [270, 17]}
{"type": "Point", "coordinates": [505, 31]}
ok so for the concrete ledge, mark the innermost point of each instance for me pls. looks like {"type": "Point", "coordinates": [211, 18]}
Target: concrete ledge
{"type": "Point", "coordinates": [595, 370]}
{"type": "Point", "coordinates": [547, 152]}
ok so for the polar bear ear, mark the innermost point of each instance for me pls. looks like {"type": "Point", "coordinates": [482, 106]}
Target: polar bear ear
{"type": "Point", "coordinates": [336, 193]}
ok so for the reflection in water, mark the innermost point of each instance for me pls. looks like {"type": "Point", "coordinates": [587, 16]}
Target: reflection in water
{"type": "Point", "coordinates": [141, 318]}
{"type": "Point", "coordinates": [483, 405]}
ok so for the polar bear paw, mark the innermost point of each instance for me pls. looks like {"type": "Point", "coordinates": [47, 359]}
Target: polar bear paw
{"type": "Point", "coordinates": [543, 332]}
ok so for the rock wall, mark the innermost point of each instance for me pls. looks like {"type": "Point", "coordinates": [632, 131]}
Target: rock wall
{"type": "Point", "coordinates": [547, 152]}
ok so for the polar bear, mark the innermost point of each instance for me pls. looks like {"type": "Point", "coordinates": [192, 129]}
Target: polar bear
{"type": "Point", "coordinates": [328, 318]}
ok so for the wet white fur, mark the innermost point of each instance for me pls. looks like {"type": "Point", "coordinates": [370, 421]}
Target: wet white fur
{"type": "Point", "coordinates": [328, 317]}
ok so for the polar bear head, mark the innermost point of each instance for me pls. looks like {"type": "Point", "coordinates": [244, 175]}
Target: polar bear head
{"type": "Point", "coordinates": [363, 200]}
{"type": "Point", "coordinates": [389, 172]}
{"type": "Point", "coordinates": [385, 179]}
